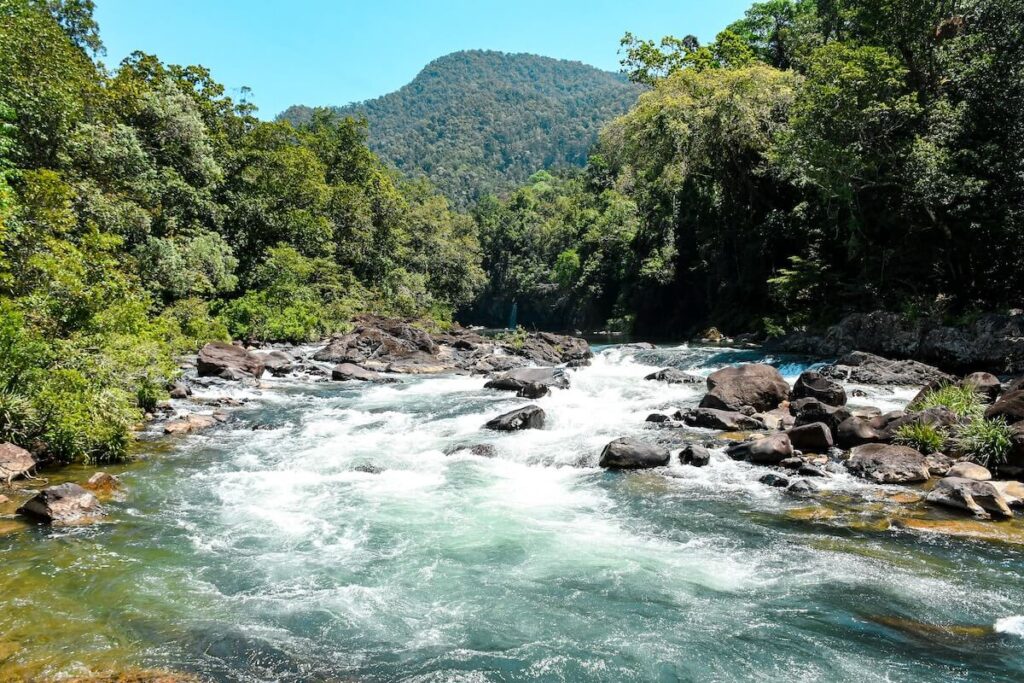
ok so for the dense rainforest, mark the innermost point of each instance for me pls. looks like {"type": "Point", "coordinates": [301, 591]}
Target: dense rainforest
{"type": "Point", "coordinates": [480, 122]}
{"type": "Point", "coordinates": [817, 157]}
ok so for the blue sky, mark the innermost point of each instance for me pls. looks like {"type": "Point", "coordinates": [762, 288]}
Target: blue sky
{"type": "Point", "coordinates": [321, 52]}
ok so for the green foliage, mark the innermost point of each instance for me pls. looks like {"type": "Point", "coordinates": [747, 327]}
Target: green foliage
{"type": "Point", "coordinates": [480, 122]}
{"type": "Point", "coordinates": [923, 437]}
{"type": "Point", "coordinates": [962, 401]}
{"type": "Point", "coordinates": [987, 442]}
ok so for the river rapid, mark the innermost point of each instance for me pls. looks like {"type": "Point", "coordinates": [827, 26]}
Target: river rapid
{"type": "Point", "coordinates": [271, 555]}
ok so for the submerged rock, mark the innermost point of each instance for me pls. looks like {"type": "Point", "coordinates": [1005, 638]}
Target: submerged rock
{"type": "Point", "coordinates": [627, 453]}
{"type": "Point", "coordinates": [227, 361]}
{"type": "Point", "coordinates": [15, 462]}
{"type": "Point", "coordinates": [103, 483]}
{"type": "Point", "coordinates": [674, 376]}
{"type": "Point", "coordinates": [755, 384]}
{"type": "Point", "coordinates": [529, 417]}
{"type": "Point", "coordinates": [63, 504]}
{"type": "Point", "coordinates": [978, 497]}
{"type": "Point", "coordinates": [888, 464]}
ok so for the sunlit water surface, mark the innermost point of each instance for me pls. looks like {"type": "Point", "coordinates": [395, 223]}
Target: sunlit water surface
{"type": "Point", "coordinates": [267, 555]}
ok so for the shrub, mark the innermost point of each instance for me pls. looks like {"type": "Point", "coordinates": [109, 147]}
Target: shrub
{"type": "Point", "coordinates": [922, 437]}
{"type": "Point", "coordinates": [961, 401]}
{"type": "Point", "coordinates": [985, 441]}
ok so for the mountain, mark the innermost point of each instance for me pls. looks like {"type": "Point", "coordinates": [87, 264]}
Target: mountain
{"type": "Point", "coordinates": [478, 122]}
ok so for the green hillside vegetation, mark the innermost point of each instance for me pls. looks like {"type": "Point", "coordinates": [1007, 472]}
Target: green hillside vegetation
{"type": "Point", "coordinates": [816, 158]}
{"type": "Point", "coordinates": [479, 122]}
{"type": "Point", "coordinates": [143, 212]}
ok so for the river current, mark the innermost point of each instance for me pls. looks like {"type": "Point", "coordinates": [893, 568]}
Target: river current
{"type": "Point", "coordinates": [280, 554]}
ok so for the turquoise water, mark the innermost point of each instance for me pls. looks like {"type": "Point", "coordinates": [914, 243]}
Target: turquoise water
{"type": "Point", "coordinates": [244, 555]}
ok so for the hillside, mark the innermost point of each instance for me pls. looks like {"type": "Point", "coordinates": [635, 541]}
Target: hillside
{"type": "Point", "coordinates": [481, 121]}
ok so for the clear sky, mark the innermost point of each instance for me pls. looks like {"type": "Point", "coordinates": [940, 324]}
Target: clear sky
{"type": "Point", "coordinates": [323, 52]}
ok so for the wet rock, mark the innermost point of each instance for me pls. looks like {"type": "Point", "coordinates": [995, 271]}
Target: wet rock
{"type": "Point", "coordinates": [768, 450]}
{"type": "Point", "coordinates": [220, 416]}
{"type": "Point", "coordinates": [709, 418]}
{"type": "Point", "coordinates": [627, 453]}
{"type": "Point", "coordinates": [985, 383]}
{"type": "Point", "coordinates": [277, 363]}
{"type": "Point", "coordinates": [227, 361]}
{"type": "Point", "coordinates": [811, 384]}
{"type": "Point", "coordinates": [180, 390]}
{"type": "Point", "coordinates": [533, 390]}
{"type": "Point", "coordinates": [754, 384]}
{"type": "Point", "coordinates": [103, 483]}
{"type": "Point", "coordinates": [515, 380]}
{"type": "Point", "coordinates": [695, 455]}
{"type": "Point", "coordinates": [674, 376]}
{"type": "Point", "coordinates": [578, 363]}
{"type": "Point", "coordinates": [1010, 407]}
{"type": "Point", "coordinates": [855, 431]}
{"type": "Point", "coordinates": [802, 487]}
{"type": "Point", "coordinates": [793, 463]}
{"type": "Point", "coordinates": [969, 470]}
{"type": "Point", "coordinates": [529, 417]}
{"type": "Point", "coordinates": [888, 464]}
{"type": "Point", "coordinates": [815, 437]}
{"type": "Point", "coordinates": [346, 372]}
{"type": "Point", "coordinates": [657, 418]}
{"type": "Point", "coordinates": [15, 462]}
{"type": "Point", "coordinates": [63, 504]}
{"type": "Point", "coordinates": [638, 346]}
{"type": "Point", "coordinates": [483, 450]}
{"type": "Point", "coordinates": [979, 497]}
{"type": "Point", "coordinates": [810, 410]}
{"type": "Point", "coordinates": [191, 423]}
{"type": "Point", "coordinates": [368, 468]}
{"type": "Point", "coordinates": [811, 471]}
{"type": "Point", "coordinates": [866, 368]}
{"type": "Point", "coordinates": [774, 480]}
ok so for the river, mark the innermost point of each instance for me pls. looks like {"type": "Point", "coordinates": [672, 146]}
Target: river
{"type": "Point", "coordinates": [270, 555]}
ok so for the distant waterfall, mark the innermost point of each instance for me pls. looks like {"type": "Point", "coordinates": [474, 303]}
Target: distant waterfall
{"type": "Point", "coordinates": [513, 315]}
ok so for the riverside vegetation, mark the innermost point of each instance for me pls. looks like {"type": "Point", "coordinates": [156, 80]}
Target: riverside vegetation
{"type": "Point", "coordinates": [815, 158]}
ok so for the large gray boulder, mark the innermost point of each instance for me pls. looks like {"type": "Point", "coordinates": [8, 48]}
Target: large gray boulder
{"type": "Point", "coordinates": [888, 464]}
{"type": "Point", "coordinates": [529, 417]}
{"type": "Point", "coordinates": [768, 450]}
{"type": "Point", "coordinates": [228, 361]}
{"type": "Point", "coordinates": [866, 368]}
{"type": "Point", "coordinates": [695, 455]}
{"type": "Point", "coordinates": [811, 384]}
{"type": "Point", "coordinates": [15, 462]}
{"type": "Point", "coordinates": [627, 453]}
{"type": "Point", "coordinates": [63, 504]}
{"type": "Point", "coordinates": [519, 378]}
{"type": "Point", "coordinates": [1009, 407]}
{"type": "Point", "coordinates": [277, 363]}
{"type": "Point", "coordinates": [810, 410]}
{"type": "Point", "coordinates": [754, 384]}
{"type": "Point", "coordinates": [981, 498]}
{"type": "Point", "coordinates": [815, 437]}
{"type": "Point", "coordinates": [985, 383]}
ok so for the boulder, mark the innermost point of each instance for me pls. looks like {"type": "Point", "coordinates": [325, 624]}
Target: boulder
{"type": "Point", "coordinates": [695, 454]}
{"type": "Point", "coordinates": [674, 376]}
{"type": "Point", "coordinates": [15, 462]}
{"type": "Point", "coordinates": [810, 410]}
{"type": "Point", "coordinates": [1015, 385]}
{"type": "Point", "coordinates": [866, 368]}
{"type": "Point", "coordinates": [778, 419]}
{"type": "Point", "coordinates": [516, 379]}
{"type": "Point", "coordinates": [277, 363]}
{"type": "Point", "coordinates": [809, 470]}
{"type": "Point", "coordinates": [548, 348]}
{"type": "Point", "coordinates": [191, 423]}
{"type": "Point", "coordinates": [345, 372]}
{"type": "Point", "coordinates": [811, 384]}
{"type": "Point", "coordinates": [802, 487]}
{"type": "Point", "coordinates": [533, 390]}
{"type": "Point", "coordinates": [627, 453]}
{"type": "Point", "coordinates": [774, 480]}
{"type": "Point", "coordinates": [1011, 491]}
{"type": "Point", "coordinates": [729, 421]}
{"type": "Point", "coordinates": [768, 450]}
{"type": "Point", "coordinates": [979, 497]}
{"type": "Point", "coordinates": [969, 470]}
{"type": "Point", "coordinates": [228, 361]}
{"type": "Point", "coordinates": [180, 390]}
{"type": "Point", "coordinates": [1010, 407]}
{"type": "Point", "coordinates": [529, 417]}
{"type": "Point", "coordinates": [754, 384]}
{"type": "Point", "coordinates": [939, 464]}
{"type": "Point", "coordinates": [985, 383]}
{"type": "Point", "coordinates": [815, 437]}
{"type": "Point", "coordinates": [658, 418]}
{"type": "Point", "coordinates": [888, 464]}
{"type": "Point", "coordinates": [101, 482]}
{"type": "Point", "coordinates": [63, 504]}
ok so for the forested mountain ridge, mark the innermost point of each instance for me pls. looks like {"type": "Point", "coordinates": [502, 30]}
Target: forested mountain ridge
{"type": "Point", "coordinates": [478, 122]}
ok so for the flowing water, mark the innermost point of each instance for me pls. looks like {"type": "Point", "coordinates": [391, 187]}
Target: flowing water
{"type": "Point", "coordinates": [269, 555]}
